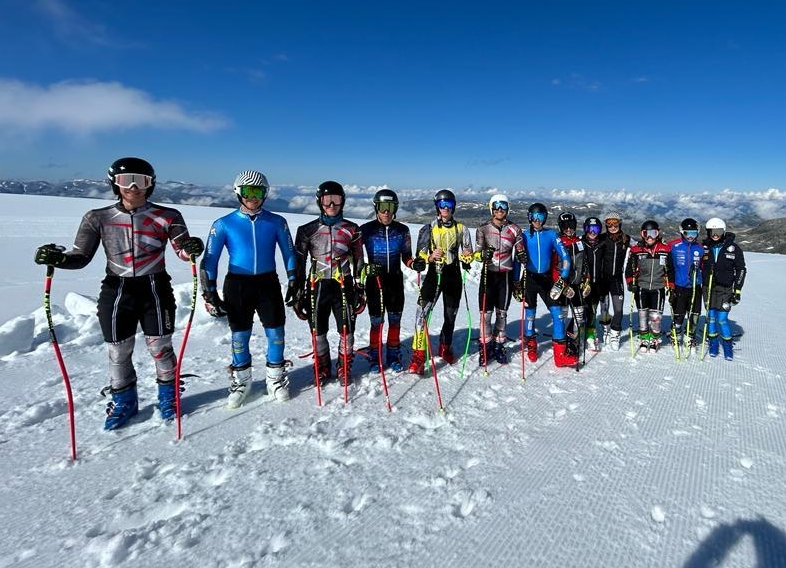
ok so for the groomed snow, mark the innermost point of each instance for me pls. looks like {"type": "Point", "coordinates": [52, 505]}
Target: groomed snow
{"type": "Point", "coordinates": [641, 461]}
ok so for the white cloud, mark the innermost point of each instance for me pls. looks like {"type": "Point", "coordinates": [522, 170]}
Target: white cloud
{"type": "Point", "coordinates": [86, 107]}
{"type": "Point", "coordinates": [70, 26]}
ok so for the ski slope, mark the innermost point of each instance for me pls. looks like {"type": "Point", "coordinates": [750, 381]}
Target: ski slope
{"type": "Point", "coordinates": [643, 461]}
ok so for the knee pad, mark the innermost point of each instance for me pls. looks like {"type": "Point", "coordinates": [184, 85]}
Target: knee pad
{"type": "Point", "coordinates": [121, 368]}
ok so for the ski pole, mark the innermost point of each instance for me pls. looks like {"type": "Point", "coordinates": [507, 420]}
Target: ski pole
{"type": "Point", "coordinates": [483, 287]}
{"type": "Point", "coordinates": [677, 354]}
{"type": "Point", "coordinates": [379, 355]}
{"type": "Point", "coordinates": [688, 331]}
{"type": "Point", "coordinates": [429, 351]}
{"type": "Point", "coordinates": [313, 291]}
{"type": "Point", "coordinates": [50, 271]}
{"type": "Point", "coordinates": [707, 306]}
{"type": "Point", "coordinates": [186, 333]}
{"type": "Point", "coordinates": [469, 324]}
{"type": "Point", "coordinates": [344, 333]}
{"type": "Point", "coordinates": [630, 323]}
{"type": "Point", "coordinates": [521, 334]}
{"type": "Point", "coordinates": [578, 332]}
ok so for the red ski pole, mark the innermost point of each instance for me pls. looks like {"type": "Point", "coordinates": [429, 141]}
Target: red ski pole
{"type": "Point", "coordinates": [379, 354]}
{"type": "Point", "coordinates": [313, 290]}
{"type": "Point", "coordinates": [187, 331]}
{"type": "Point", "coordinates": [50, 271]}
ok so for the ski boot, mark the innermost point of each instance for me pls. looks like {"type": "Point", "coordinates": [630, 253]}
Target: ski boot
{"type": "Point", "coordinates": [239, 386]}
{"type": "Point", "coordinates": [446, 353]}
{"type": "Point", "coordinates": [393, 359]}
{"type": "Point", "coordinates": [532, 348]}
{"type": "Point", "coordinates": [122, 407]}
{"type": "Point", "coordinates": [344, 371]}
{"type": "Point", "coordinates": [500, 353]}
{"type": "Point", "coordinates": [645, 339]}
{"type": "Point", "coordinates": [373, 361]}
{"type": "Point", "coordinates": [728, 349]}
{"type": "Point", "coordinates": [561, 356]}
{"type": "Point", "coordinates": [592, 341]}
{"type": "Point", "coordinates": [485, 353]}
{"type": "Point", "coordinates": [714, 342]}
{"type": "Point", "coordinates": [166, 400]}
{"type": "Point", "coordinates": [418, 364]}
{"type": "Point", "coordinates": [277, 383]}
{"type": "Point", "coordinates": [614, 339]}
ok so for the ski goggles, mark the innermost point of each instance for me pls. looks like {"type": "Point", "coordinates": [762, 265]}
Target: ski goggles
{"type": "Point", "coordinates": [650, 233]}
{"type": "Point", "coordinates": [716, 232]}
{"type": "Point", "coordinates": [386, 206]}
{"type": "Point", "coordinates": [612, 223]}
{"type": "Point", "coordinates": [125, 181]}
{"type": "Point", "coordinates": [446, 204]}
{"type": "Point", "coordinates": [252, 191]}
{"type": "Point", "coordinates": [694, 233]}
{"type": "Point", "coordinates": [331, 201]}
{"type": "Point", "coordinates": [537, 216]}
{"type": "Point", "coordinates": [500, 205]}
{"type": "Point", "coordinates": [594, 228]}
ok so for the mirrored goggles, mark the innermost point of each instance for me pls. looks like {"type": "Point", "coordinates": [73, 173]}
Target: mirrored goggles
{"type": "Point", "coordinates": [125, 181]}
{"type": "Point", "coordinates": [612, 223]}
{"type": "Point", "coordinates": [691, 233]}
{"type": "Point", "coordinates": [537, 216]}
{"type": "Point", "coordinates": [386, 207]}
{"type": "Point", "coordinates": [331, 201]}
{"type": "Point", "coordinates": [500, 205]}
{"type": "Point", "coordinates": [593, 228]}
{"type": "Point", "coordinates": [252, 191]}
{"type": "Point", "coordinates": [446, 204]}
{"type": "Point", "coordinates": [716, 232]}
{"type": "Point", "coordinates": [650, 233]}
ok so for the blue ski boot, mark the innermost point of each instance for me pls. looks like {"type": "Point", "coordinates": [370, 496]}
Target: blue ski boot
{"type": "Point", "coordinates": [121, 408]}
{"type": "Point", "coordinates": [714, 345]}
{"type": "Point", "coordinates": [373, 360]}
{"type": "Point", "coordinates": [393, 359]}
{"type": "Point", "coordinates": [166, 400]}
{"type": "Point", "coordinates": [728, 349]}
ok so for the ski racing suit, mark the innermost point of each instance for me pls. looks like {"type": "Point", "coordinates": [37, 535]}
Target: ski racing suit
{"type": "Point", "coordinates": [648, 274]}
{"type": "Point", "coordinates": [724, 272]}
{"type": "Point", "coordinates": [594, 257]}
{"type": "Point", "coordinates": [572, 301]}
{"type": "Point", "coordinates": [614, 262]}
{"type": "Point", "coordinates": [686, 296]}
{"type": "Point", "coordinates": [251, 283]}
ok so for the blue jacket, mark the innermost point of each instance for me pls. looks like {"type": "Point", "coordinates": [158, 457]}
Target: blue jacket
{"type": "Point", "coordinates": [387, 245]}
{"type": "Point", "coordinates": [251, 242]}
{"type": "Point", "coordinates": [686, 257]}
{"type": "Point", "coordinates": [540, 247]}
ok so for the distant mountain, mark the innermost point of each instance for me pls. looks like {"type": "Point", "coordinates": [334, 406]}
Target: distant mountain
{"type": "Point", "coordinates": [758, 218]}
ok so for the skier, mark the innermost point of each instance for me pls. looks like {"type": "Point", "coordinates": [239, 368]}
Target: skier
{"type": "Point", "coordinates": [443, 244]}
{"type": "Point", "coordinates": [388, 245]}
{"type": "Point", "coordinates": [250, 235]}
{"type": "Point", "coordinates": [724, 272]}
{"type": "Point", "coordinates": [332, 283]}
{"type": "Point", "coordinates": [614, 261]}
{"type": "Point", "coordinates": [686, 255]}
{"type": "Point", "coordinates": [577, 286]}
{"type": "Point", "coordinates": [136, 289]}
{"type": "Point", "coordinates": [541, 243]}
{"type": "Point", "coordinates": [497, 242]}
{"type": "Point", "coordinates": [594, 257]}
{"type": "Point", "coordinates": [649, 274]}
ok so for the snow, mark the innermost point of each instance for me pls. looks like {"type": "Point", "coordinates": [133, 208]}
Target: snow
{"type": "Point", "coordinates": [643, 461]}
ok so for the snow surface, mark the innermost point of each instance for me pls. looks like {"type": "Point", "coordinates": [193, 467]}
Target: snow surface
{"type": "Point", "coordinates": [641, 461]}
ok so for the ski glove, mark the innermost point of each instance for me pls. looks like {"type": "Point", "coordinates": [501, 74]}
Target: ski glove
{"type": "Point", "coordinates": [519, 290]}
{"type": "Point", "coordinates": [373, 269]}
{"type": "Point", "coordinates": [419, 264]}
{"type": "Point", "coordinates": [585, 288]}
{"type": "Point", "coordinates": [193, 246]}
{"type": "Point", "coordinates": [632, 287]}
{"type": "Point", "coordinates": [486, 254]}
{"type": "Point", "coordinates": [214, 304]}
{"type": "Point", "coordinates": [569, 292]}
{"type": "Point", "coordinates": [735, 299]}
{"type": "Point", "coordinates": [557, 289]}
{"type": "Point", "coordinates": [360, 299]}
{"type": "Point", "coordinates": [51, 255]}
{"type": "Point", "coordinates": [521, 256]}
{"type": "Point", "coordinates": [293, 293]}
{"type": "Point", "coordinates": [466, 266]}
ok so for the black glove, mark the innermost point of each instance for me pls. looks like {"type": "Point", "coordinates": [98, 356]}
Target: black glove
{"type": "Point", "coordinates": [51, 255]}
{"type": "Point", "coordinates": [632, 287]}
{"type": "Point", "coordinates": [373, 269]}
{"type": "Point", "coordinates": [293, 293]}
{"type": "Point", "coordinates": [735, 299]}
{"type": "Point", "coordinates": [487, 254]}
{"type": "Point", "coordinates": [519, 290]}
{"type": "Point", "coordinates": [418, 264]}
{"type": "Point", "coordinates": [521, 256]}
{"type": "Point", "coordinates": [466, 266]}
{"type": "Point", "coordinates": [214, 304]}
{"type": "Point", "coordinates": [360, 299]}
{"type": "Point", "coordinates": [193, 246]}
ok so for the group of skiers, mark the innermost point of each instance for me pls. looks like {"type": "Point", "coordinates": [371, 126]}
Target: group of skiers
{"type": "Point", "coordinates": [336, 267]}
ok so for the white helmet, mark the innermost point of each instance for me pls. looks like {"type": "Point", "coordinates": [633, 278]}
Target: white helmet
{"type": "Point", "coordinates": [715, 224]}
{"type": "Point", "coordinates": [498, 198]}
{"type": "Point", "coordinates": [250, 177]}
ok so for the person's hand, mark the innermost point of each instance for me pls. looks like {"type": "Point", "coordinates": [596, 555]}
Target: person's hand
{"type": "Point", "coordinates": [373, 269]}
{"type": "Point", "coordinates": [735, 299]}
{"type": "Point", "coordinates": [193, 246]}
{"type": "Point", "coordinates": [632, 287]}
{"type": "Point", "coordinates": [360, 299]}
{"type": "Point", "coordinates": [487, 254]}
{"type": "Point", "coordinates": [585, 288]}
{"type": "Point", "coordinates": [418, 264]}
{"type": "Point", "coordinates": [214, 304]}
{"type": "Point", "coordinates": [51, 255]}
{"type": "Point", "coordinates": [521, 256]}
{"type": "Point", "coordinates": [519, 290]}
{"type": "Point", "coordinates": [557, 288]}
{"type": "Point", "coordinates": [293, 293]}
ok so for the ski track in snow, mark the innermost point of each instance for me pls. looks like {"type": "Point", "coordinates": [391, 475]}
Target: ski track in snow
{"type": "Point", "coordinates": [640, 461]}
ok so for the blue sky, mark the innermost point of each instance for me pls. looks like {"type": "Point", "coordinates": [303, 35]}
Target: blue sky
{"type": "Point", "coordinates": [646, 96]}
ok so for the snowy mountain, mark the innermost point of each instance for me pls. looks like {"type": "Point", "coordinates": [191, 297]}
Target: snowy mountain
{"type": "Point", "coordinates": [743, 211]}
{"type": "Point", "coordinates": [640, 461]}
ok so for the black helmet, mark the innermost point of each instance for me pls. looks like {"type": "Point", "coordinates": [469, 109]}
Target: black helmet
{"type": "Point", "coordinates": [537, 208]}
{"type": "Point", "coordinates": [689, 224]}
{"type": "Point", "coordinates": [591, 222]}
{"type": "Point", "coordinates": [567, 220]}
{"type": "Point", "coordinates": [330, 188]}
{"type": "Point", "coordinates": [386, 196]}
{"type": "Point", "coordinates": [132, 166]}
{"type": "Point", "coordinates": [446, 195]}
